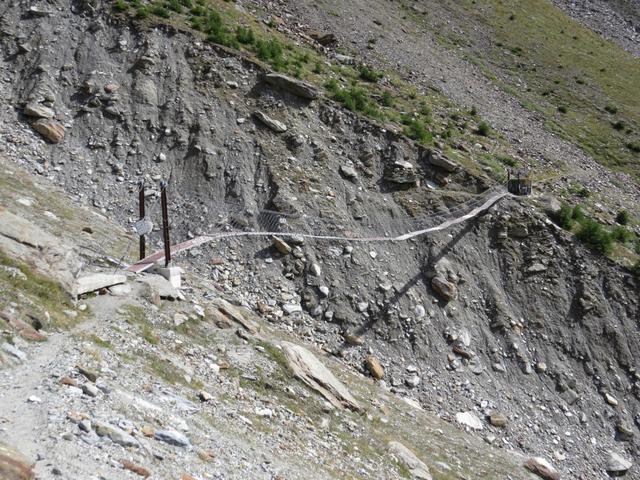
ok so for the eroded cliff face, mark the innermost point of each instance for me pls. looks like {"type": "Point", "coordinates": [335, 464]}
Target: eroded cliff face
{"type": "Point", "coordinates": [503, 314]}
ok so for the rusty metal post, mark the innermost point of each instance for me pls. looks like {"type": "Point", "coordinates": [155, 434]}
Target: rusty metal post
{"type": "Point", "coordinates": [165, 223]}
{"type": "Point", "coordinates": [142, 215]}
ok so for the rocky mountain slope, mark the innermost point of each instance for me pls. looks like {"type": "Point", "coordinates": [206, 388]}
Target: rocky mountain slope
{"type": "Point", "coordinates": [504, 326]}
{"type": "Point", "coordinates": [619, 21]}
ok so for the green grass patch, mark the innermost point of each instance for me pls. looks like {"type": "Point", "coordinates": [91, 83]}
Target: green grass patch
{"type": "Point", "coordinates": [573, 76]}
{"type": "Point", "coordinates": [22, 284]}
{"type": "Point", "coordinates": [368, 74]}
{"type": "Point", "coordinates": [591, 232]}
{"type": "Point", "coordinates": [170, 373]}
{"type": "Point", "coordinates": [136, 316]}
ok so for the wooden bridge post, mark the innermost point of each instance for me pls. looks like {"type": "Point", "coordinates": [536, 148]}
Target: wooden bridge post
{"type": "Point", "coordinates": [165, 223]}
{"type": "Point", "coordinates": [141, 209]}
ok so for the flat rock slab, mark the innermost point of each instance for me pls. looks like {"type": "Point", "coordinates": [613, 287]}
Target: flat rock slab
{"type": "Point", "coordinates": [13, 465]}
{"type": "Point", "coordinates": [469, 419]}
{"type": "Point", "coordinates": [49, 129]}
{"type": "Point", "coordinates": [291, 85]}
{"type": "Point", "coordinates": [45, 253]}
{"type": "Point", "coordinates": [311, 371]}
{"type": "Point", "coordinates": [241, 315]}
{"type": "Point", "coordinates": [275, 125]}
{"type": "Point", "coordinates": [417, 468]}
{"type": "Point", "coordinates": [117, 435]}
{"type": "Point", "coordinates": [437, 159]}
{"type": "Point", "coordinates": [542, 468]}
{"type": "Point", "coordinates": [172, 438]}
{"type": "Point", "coordinates": [38, 111]}
{"type": "Point", "coordinates": [158, 285]}
{"type": "Point", "coordinates": [24, 329]}
{"type": "Point", "coordinates": [97, 281]}
{"type": "Point", "coordinates": [617, 464]}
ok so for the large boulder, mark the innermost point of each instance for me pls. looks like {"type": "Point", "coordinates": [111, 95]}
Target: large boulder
{"type": "Point", "coordinates": [13, 465]}
{"type": "Point", "coordinates": [438, 159]}
{"type": "Point", "coordinates": [617, 465]}
{"type": "Point", "coordinates": [542, 468]}
{"type": "Point", "coordinates": [275, 125]}
{"type": "Point", "coordinates": [444, 288]}
{"type": "Point", "coordinates": [469, 419]}
{"type": "Point", "coordinates": [291, 85]}
{"type": "Point", "coordinates": [306, 367]}
{"type": "Point", "coordinates": [402, 173]}
{"type": "Point", "coordinates": [417, 468]}
{"type": "Point", "coordinates": [374, 367]}
{"type": "Point", "coordinates": [49, 129]}
{"type": "Point", "coordinates": [97, 281]}
{"type": "Point", "coordinates": [43, 252]}
{"type": "Point", "coordinates": [240, 315]}
{"type": "Point", "coordinates": [323, 39]}
{"type": "Point", "coordinates": [37, 110]}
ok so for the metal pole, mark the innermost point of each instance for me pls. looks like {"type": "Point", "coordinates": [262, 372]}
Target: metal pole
{"type": "Point", "coordinates": [142, 215]}
{"type": "Point", "coordinates": [165, 223]}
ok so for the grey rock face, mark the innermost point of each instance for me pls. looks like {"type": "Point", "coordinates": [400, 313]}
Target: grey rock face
{"type": "Point", "coordinates": [273, 124]}
{"type": "Point", "coordinates": [441, 161]}
{"type": "Point", "coordinates": [291, 85]}
{"type": "Point", "coordinates": [117, 435]}
{"type": "Point", "coordinates": [617, 464]}
{"type": "Point", "coordinates": [172, 437]}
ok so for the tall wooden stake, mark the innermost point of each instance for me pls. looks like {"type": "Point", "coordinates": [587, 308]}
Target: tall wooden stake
{"type": "Point", "coordinates": [165, 223]}
{"type": "Point", "coordinates": [142, 214]}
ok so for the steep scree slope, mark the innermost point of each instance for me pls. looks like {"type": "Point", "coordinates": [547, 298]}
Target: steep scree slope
{"type": "Point", "coordinates": [531, 324]}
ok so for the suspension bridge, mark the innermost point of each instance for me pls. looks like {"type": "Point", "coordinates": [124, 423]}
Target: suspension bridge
{"type": "Point", "coordinates": [275, 224]}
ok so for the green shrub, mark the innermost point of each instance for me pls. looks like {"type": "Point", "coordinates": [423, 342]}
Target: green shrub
{"type": "Point", "coordinates": [623, 217]}
{"type": "Point", "coordinates": [174, 5]}
{"type": "Point", "coordinates": [583, 192]}
{"type": "Point", "coordinates": [416, 130]}
{"type": "Point", "coordinates": [216, 31]}
{"type": "Point", "coordinates": [425, 110]}
{"type": "Point", "coordinates": [387, 99]}
{"type": "Point", "coordinates": [160, 11]}
{"type": "Point", "coordinates": [317, 68]}
{"type": "Point", "coordinates": [593, 234]}
{"type": "Point", "coordinates": [612, 109]}
{"type": "Point", "coordinates": [354, 98]}
{"type": "Point", "coordinates": [270, 51]}
{"type": "Point", "coordinates": [474, 111]}
{"type": "Point", "coordinates": [634, 146]}
{"type": "Point", "coordinates": [564, 217]}
{"type": "Point", "coordinates": [245, 35]}
{"type": "Point", "coordinates": [622, 235]}
{"type": "Point", "coordinates": [198, 11]}
{"type": "Point", "coordinates": [506, 160]}
{"type": "Point", "coordinates": [332, 85]}
{"type": "Point", "coordinates": [619, 125]}
{"type": "Point", "coordinates": [483, 129]}
{"type": "Point", "coordinates": [142, 12]}
{"type": "Point", "coordinates": [563, 109]}
{"type": "Point", "coordinates": [369, 75]}
{"type": "Point", "coordinates": [121, 6]}
{"type": "Point", "coordinates": [577, 214]}
{"type": "Point", "coordinates": [579, 190]}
